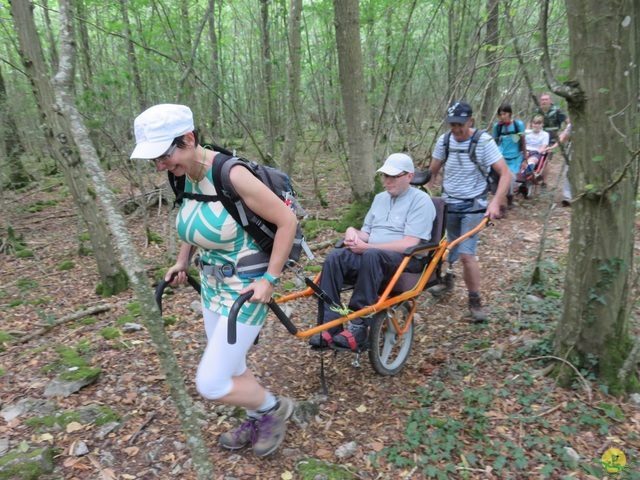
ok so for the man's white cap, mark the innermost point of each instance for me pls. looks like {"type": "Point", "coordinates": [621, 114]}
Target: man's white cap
{"type": "Point", "coordinates": [397, 163]}
{"type": "Point", "coordinates": [158, 126]}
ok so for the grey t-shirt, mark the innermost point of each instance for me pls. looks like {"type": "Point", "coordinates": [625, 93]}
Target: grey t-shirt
{"type": "Point", "coordinates": [391, 218]}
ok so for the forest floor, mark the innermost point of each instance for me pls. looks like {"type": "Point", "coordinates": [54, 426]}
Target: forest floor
{"type": "Point", "coordinates": [469, 403]}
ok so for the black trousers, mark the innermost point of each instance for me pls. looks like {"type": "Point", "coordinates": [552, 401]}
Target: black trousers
{"type": "Point", "coordinates": [366, 272]}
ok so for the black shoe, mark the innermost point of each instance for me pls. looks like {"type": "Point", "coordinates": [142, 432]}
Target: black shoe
{"type": "Point", "coordinates": [321, 340]}
{"type": "Point", "coordinates": [353, 338]}
{"type": "Point", "coordinates": [566, 203]}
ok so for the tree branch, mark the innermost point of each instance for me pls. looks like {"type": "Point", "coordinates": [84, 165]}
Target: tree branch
{"type": "Point", "coordinates": [570, 89]}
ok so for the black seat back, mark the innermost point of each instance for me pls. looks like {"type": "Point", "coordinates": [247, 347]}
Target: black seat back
{"type": "Point", "coordinates": [439, 223]}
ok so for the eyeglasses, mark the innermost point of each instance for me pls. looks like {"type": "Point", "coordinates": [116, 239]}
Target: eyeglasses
{"type": "Point", "coordinates": [385, 176]}
{"type": "Point", "coordinates": [166, 156]}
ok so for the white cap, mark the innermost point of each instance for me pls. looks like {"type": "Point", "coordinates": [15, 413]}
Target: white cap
{"type": "Point", "coordinates": [158, 126]}
{"type": "Point", "coordinates": [397, 163]}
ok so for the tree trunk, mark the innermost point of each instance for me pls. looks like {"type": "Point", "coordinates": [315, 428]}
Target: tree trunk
{"type": "Point", "coordinates": [135, 269]}
{"type": "Point", "coordinates": [491, 42]}
{"type": "Point", "coordinates": [603, 108]}
{"type": "Point", "coordinates": [58, 134]}
{"type": "Point", "coordinates": [267, 73]}
{"type": "Point", "coordinates": [132, 60]}
{"type": "Point", "coordinates": [13, 149]}
{"type": "Point", "coordinates": [86, 69]}
{"type": "Point", "coordinates": [293, 83]}
{"type": "Point", "coordinates": [215, 70]}
{"type": "Point", "coordinates": [354, 100]}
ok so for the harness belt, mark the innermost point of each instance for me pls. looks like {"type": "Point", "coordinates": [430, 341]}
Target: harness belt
{"type": "Point", "coordinates": [219, 272]}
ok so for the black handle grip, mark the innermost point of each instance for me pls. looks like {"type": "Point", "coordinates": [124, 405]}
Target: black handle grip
{"type": "Point", "coordinates": [163, 284]}
{"type": "Point", "coordinates": [235, 308]}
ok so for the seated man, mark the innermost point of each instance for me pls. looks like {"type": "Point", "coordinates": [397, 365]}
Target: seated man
{"type": "Point", "coordinates": [400, 217]}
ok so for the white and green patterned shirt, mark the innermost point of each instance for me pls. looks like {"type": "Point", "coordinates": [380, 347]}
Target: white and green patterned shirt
{"type": "Point", "coordinates": [220, 240]}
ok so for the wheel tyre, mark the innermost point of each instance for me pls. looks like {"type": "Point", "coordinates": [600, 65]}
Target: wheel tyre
{"type": "Point", "coordinates": [531, 189]}
{"type": "Point", "coordinates": [388, 351]}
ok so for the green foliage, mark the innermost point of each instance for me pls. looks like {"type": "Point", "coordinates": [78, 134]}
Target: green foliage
{"type": "Point", "coordinates": [311, 468]}
{"type": "Point", "coordinates": [26, 253]}
{"type": "Point", "coordinates": [59, 419]}
{"type": "Point", "coordinates": [435, 442]}
{"type": "Point", "coordinates": [125, 319]}
{"type": "Point", "coordinates": [25, 284]}
{"type": "Point", "coordinates": [66, 265]}
{"type": "Point", "coordinates": [115, 284]}
{"type": "Point", "coordinates": [109, 333]}
{"type": "Point", "coordinates": [134, 308]}
{"type": "Point", "coordinates": [153, 237]}
{"type": "Point", "coordinates": [27, 465]}
{"type": "Point", "coordinates": [5, 337]}
{"type": "Point", "coordinates": [41, 205]}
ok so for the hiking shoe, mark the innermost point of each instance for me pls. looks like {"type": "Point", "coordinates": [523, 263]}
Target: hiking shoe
{"type": "Point", "coordinates": [238, 437]}
{"type": "Point", "coordinates": [509, 201]}
{"type": "Point", "coordinates": [447, 285]}
{"type": "Point", "coordinates": [353, 338]}
{"type": "Point", "coordinates": [476, 310]}
{"type": "Point", "coordinates": [321, 340]}
{"type": "Point", "coordinates": [272, 426]}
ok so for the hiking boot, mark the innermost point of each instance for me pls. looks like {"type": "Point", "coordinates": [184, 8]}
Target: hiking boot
{"type": "Point", "coordinates": [353, 338]}
{"type": "Point", "coordinates": [272, 426]}
{"type": "Point", "coordinates": [447, 285]}
{"type": "Point", "coordinates": [238, 437]}
{"type": "Point", "coordinates": [476, 310]}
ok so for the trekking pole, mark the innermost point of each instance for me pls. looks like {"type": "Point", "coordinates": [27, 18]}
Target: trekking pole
{"type": "Point", "coordinates": [237, 305]}
{"type": "Point", "coordinates": [163, 284]}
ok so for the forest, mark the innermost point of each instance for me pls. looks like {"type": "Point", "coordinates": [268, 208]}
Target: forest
{"type": "Point", "coordinates": [96, 383]}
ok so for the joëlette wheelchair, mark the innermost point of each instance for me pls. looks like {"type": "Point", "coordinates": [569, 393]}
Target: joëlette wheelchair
{"type": "Point", "coordinates": [391, 331]}
{"type": "Point", "coordinates": [530, 182]}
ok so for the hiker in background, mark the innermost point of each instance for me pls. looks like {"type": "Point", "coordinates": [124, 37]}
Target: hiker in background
{"type": "Point", "coordinates": [165, 134]}
{"type": "Point", "coordinates": [464, 188]}
{"type": "Point", "coordinates": [537, 143]}
{"type": "Point", "coordinates": [553, 120]}
{"type": "Point", "coordinates": [565, 137]}
{"type": "Point", "coordinates": [400, 217]}
{"type": "Point", "coordinates": [509, 134]}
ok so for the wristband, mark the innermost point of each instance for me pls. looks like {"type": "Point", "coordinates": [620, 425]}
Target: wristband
{"type": "Point", "coordinates": [275, 281]}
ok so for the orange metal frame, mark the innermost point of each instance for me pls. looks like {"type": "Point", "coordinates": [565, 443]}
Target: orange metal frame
{"type": "Point", "coordinates": [386, 300]}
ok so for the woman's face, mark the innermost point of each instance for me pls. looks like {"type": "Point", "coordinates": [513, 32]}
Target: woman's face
{"type": "Point", "coordinates": [175, 159]}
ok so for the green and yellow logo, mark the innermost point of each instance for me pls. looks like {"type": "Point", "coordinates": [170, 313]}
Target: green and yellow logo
{"type": "Point", "coordinates": [614, 462]}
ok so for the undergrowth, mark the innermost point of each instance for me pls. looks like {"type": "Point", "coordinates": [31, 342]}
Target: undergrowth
{"type": "Point", "coordinates": [511, 421]}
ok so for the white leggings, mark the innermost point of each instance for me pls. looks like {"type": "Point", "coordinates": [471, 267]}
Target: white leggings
{"type": "Point", "coordinates": [222, 361]}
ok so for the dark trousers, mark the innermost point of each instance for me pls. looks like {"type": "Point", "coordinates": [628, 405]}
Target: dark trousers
{"type": "Point", "coordinates": [366, 272]}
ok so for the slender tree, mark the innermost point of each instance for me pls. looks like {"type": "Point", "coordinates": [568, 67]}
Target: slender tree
{"type": "Point", "coordinates": [267, 75]}
{"type": "Point", "coordinates": [135, 269]}
{"type": "Point", "coordinates": [354, 101]}
{"type": "Point", "coordinates": [13, 148]}
{"type": "Point", "coordinates": [61, 145]}
{"type": "Point", "coordinates": [491, 42]}
{"type": "Point", "coordinates": [603, 104]}
{"type": "Point", "coordinates": [292, 120]}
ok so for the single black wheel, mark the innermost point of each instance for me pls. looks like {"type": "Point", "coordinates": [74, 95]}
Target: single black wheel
{"type": "Point", "coordinates": [388, 349]}
{"type": "Point", "coordinates": [527, 188]}
{"type": "Point", "coordinates": [531, 189]}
